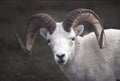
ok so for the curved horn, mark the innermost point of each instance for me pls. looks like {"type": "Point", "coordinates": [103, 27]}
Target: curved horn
{"type": "Point", "coordinates": [34, 23]}
{"type": "Point", "coordinates": [77, 16]}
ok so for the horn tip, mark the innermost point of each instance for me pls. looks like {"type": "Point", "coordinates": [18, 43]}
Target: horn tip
{"type": "Point", "coordinates": [27, 52]}
{"type": "Point", "coordinates": [102, 40]}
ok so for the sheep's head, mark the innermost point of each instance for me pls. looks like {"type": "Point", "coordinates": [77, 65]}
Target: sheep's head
{"type": "Point", "coordinates": [61, 42]}
{"type": "Point", "coordinates": [61, 36]}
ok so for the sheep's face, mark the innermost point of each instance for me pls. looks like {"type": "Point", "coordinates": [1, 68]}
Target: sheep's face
{"type": "Point", "coordinates": [61, 42]}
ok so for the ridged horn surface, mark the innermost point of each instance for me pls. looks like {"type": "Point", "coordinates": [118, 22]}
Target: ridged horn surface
{"type": "Point", "coordinates": [80, 15]}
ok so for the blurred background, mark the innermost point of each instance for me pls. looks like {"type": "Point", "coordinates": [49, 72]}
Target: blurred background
{"type": "Point", "coordinates": [14, 64]}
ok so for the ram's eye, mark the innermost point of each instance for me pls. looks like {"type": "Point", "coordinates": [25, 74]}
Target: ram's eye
{"type": "Point", "coordinates": [73, 39]}
{"type": "Point", "coordinates": [48, 41]}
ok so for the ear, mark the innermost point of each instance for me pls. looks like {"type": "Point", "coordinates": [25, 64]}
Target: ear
{"type": "Point", "coordinates": [43, 32]}
{"type": "Point", "coordinates": [79, 30]}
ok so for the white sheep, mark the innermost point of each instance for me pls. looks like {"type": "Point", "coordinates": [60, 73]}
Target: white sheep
{"type": "Point", "coordinates": [80, 58]}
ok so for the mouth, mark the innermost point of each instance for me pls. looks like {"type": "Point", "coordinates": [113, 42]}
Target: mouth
{"type": "Point", "coordinates": [61, 62]}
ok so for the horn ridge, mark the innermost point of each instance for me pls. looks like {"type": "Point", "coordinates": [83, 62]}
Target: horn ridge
{"type": "Point", "coordinates": [69, 20]}
{"type": "Point", "coordinates": [80, 15]}
{"type": "Point", "coordinates": [41, 19]}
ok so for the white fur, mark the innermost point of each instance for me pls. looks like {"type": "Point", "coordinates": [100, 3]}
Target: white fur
{"type": "Point", "coordinates": [84, 60]}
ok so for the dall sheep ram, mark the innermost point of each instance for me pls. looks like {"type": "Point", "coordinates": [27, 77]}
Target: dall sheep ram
{"type": "Point", "coordinates": [93, 57]}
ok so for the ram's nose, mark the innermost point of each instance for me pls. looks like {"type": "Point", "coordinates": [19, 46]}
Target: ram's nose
{"type": "Point", "coordinates": [61, 56]}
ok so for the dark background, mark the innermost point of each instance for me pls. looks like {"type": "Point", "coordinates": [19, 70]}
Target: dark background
{"type": "Point", "coordinates": [14, 64]}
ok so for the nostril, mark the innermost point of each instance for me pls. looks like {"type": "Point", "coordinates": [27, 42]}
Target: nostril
{"type": "Point", "coordinates": [60, 56]}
